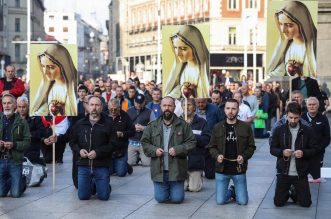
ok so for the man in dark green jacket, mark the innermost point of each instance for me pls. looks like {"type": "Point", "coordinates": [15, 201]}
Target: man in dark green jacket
{"type": "Point", "coordinates": [168, 140]}
{"type": "Point", "coordinates": [14, 139]}
{"type": "Point", "coordinates": [231, 145]}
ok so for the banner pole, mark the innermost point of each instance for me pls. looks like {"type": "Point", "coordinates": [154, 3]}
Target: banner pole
{"type": "Point", "coordinates": [53, 155]}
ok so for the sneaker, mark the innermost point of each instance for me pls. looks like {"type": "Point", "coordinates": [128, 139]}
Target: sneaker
{"type": "Point", "coordinates": [130, 169]}
{"type": "Point", "coordinates": [233, 192]}
{"type": "Point", "coordinates": [293, 194]}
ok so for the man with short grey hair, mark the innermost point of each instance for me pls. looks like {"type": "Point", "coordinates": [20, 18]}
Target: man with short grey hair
{"type": "Point", "coordinates": [320, 126]}
{"type": "Point", "coordinates": [15, 139]}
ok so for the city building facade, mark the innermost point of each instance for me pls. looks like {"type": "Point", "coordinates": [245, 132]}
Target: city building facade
{"type": "Point", "coordinates": [13, 30]}
{"type": "Point", "coordinates": [70, 28]}
{"type": "Point", "coordinates": [136, 43]}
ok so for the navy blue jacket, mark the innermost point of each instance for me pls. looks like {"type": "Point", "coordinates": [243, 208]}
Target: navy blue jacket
{"type": "Point", "coordinates": [202, 134]}
{"type": "Point", "coordinates": [213, 115]}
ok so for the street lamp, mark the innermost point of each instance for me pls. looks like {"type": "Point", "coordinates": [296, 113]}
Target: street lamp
{"type": "Point", "coordinates": [91, 51]}
{"type": "Point", "coordinates": [153, 67]}
{"type": "Point", "coordinates": [2, 62]}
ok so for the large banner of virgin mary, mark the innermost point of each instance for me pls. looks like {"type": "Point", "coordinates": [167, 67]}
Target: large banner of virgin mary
{"type": "Point", "coordinates": [53, 80]}
{"type": "Point", "coordinates": [291, 41]}
{"type": "Point", "coordinates": [185, 61]}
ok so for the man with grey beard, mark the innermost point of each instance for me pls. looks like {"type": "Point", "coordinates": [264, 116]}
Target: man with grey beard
{"type": "Point", "coordinates": [15, 139]}
{"type": "Point", "coordinates": [91, 139]}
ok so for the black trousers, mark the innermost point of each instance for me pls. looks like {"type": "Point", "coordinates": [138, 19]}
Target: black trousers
{"type": "Point", "coordinates": [75, 158]}
{"type": "Point", "coordinates": [315, 164]}
{"type": "Point", "coordinates": [301, 186]}
{"type": "Point", "coordinates": [47, 152]}
{"type": "Point", "coordinates": [209, 166]}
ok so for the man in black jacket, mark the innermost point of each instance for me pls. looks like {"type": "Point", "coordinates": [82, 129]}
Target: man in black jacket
{"type": "Point", "coordinates": [37, 131]}
{"type": "Point", "coordinates": [91, 139]}
{"type": "Point", "coordinates": [196, 158]}
{"type": "Point", "coordinates": [308, 88]}
{"type": "Point", "coordinates": [293, 144]}
{"type": "Point", "coordinates": [122, 130]}
{"type": "Point", "coordinates": [321, 128]}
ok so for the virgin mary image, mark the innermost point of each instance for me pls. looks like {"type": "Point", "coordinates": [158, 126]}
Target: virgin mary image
{"type": "Point", "coordinates": [295, 52]}
{"type": "Point", "coordinates": [56, 93]}
{"type": "Point", "coordinates": [188, 77]}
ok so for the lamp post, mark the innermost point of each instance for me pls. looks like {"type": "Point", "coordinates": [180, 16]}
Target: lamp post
{"type": "Point", "coordinates": [2, 62]}
{"type": "Point", "coordinates": [91, 52]}
{"type": "Point", "coordinates": [153, 67]}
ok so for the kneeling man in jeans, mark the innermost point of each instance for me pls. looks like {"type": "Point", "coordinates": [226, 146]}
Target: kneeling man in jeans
{"type": "Point", "coordinates": [168, 140]}
{"type": "Point", "coordinates": [231, 145]}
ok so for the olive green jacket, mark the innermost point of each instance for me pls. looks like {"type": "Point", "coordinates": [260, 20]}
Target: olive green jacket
{"type": "Point", "coordinates": [181, 139]}
{"type": "Point", "coordinates": [245, 143]}
{"type": "Point", "coordinates": [21, 137]}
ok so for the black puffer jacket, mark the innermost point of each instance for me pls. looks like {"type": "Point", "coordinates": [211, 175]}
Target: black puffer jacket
{"type": "Point", "coordinates": [282, 139]}
{"type": "Point", "coordinates": [96, 137]}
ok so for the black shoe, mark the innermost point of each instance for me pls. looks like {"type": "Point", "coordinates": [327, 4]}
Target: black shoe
{"type": "Point", "coordinates": [293, 194]}
{"type": "Point", "coordinates": [59, 161]}
{"type": "Point", "coordinates": [109, 188]}
{"type": "Point", "coordinates": [24, 183]}
{"type": "Point", "coordinates": [233, 192]}
{"type": "Point", "coordinates": [130, 169]}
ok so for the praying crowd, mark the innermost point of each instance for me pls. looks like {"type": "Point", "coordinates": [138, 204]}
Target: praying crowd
{"type": "Point", "coordinates": [124, 124]}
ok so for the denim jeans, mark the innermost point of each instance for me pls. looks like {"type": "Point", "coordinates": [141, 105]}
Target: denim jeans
{"type": "Point", "coordinates": [172, 191]}
{"type": "Point", "coordinates": [223, 194]}
{"type": "Point", "coordinates": [11, 178]}
{"type": "Point", "coordinates": [119, 165]}
{"type": "Point", "coordinates": [87, 179]}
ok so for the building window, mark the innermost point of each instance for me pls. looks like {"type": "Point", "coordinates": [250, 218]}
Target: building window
{"type": "Point", "coordinates": [233, 5]}
{"type": "Point", "coordinates": [17, 25]}
{"type": "Point", "coordinates": [51, 17]}
{"type": "Point", "coordinates": [65, 29]}
{"type": "Point", "coordinates": [17, 3]}
{"type": "Point", "coordinates": [254, 4]}
{"type": "Point", "coordinates": [65, 17]}
{"type": "Point", "coordinates": [51, 29]}
{"type": "Point", "coordinates": [17, 52]}
{"type": "Point", "coordinates": [232, 36]}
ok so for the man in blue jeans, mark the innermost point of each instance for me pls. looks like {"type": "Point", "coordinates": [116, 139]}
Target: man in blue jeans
{"type": "Point", "coordinates": [15, 139]}
{"type": "Point", "coordinates": [168, 140]}
{"type": "Point", "coordinates": [231, 145]}
{"type": "Point", "coordinates": [91, 139]}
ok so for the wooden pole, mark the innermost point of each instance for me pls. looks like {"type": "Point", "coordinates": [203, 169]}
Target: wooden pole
{"type": "Point", "coordinates": [185, 109]}
{"type": "Point", "coordinates": [290, 89]}
{"type": "Point", "coordinates": [53, 155]}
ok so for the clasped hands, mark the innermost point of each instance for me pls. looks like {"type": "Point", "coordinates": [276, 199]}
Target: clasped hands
{"type": "Point", "coordinates": [297, 153]}
{"type": "Point", "coordinates": [50, 140]}
{"type": "Point", "coordinates": [240, 159]}
{"type": "Point", "coordinates": [6, 144]}
{"type": "Point", "coordinates": [85, 154]}
{"type": "Point", "coordinates": [159, 152]}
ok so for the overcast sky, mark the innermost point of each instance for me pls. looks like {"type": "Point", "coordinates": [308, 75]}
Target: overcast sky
{"type": "Point", "coordinates": [82, 7]}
